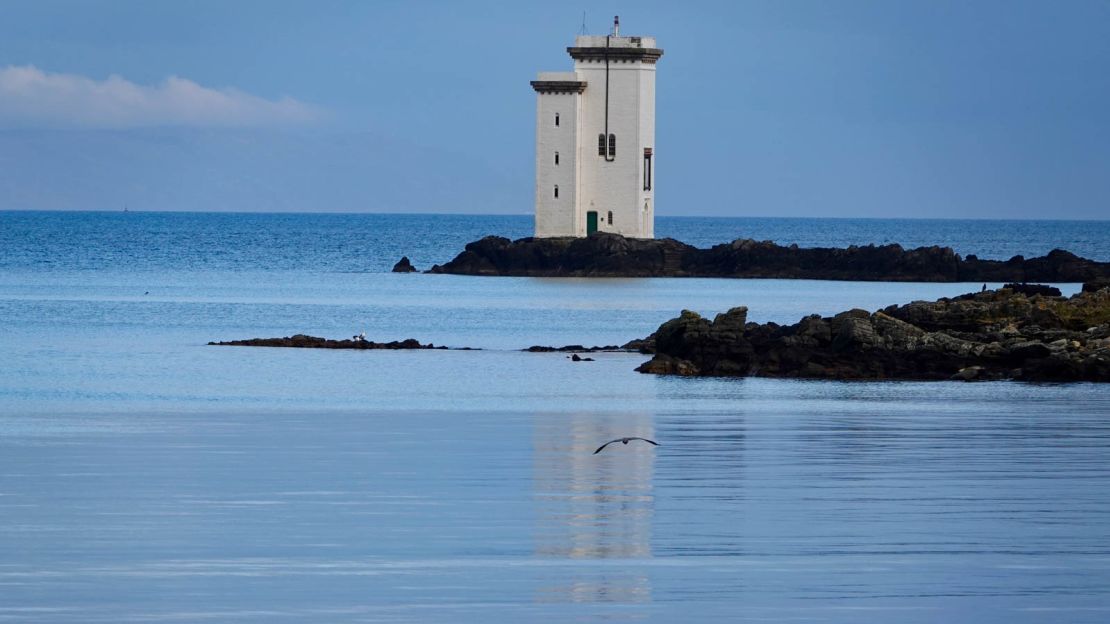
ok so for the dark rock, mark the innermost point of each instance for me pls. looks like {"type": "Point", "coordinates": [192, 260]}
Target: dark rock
{"type": "Point", "coordinates": [578, 358]}
{"type": "Point", "coordinates": [303, 341]}
{"type": "Point", "coordinates": [611, 255]}
{"type": "Point", "coordinates": [1027, 349]}
{"type": "Point", "coordinates": [597, 255]}
{"type": "Point", "coordinates": [815, 331]}
{"type": "Point", "coordinates": [640, 345]}
{"type": "Point", "coordinates": [999, 334]}
{"type": "Point", "coordinates": [576, 349]}
{"type": "Point", "coordinates": [667, 365]}
{"type": "Point", "coordinates": [404, 266]}
{"type": "Point", "coordinates": [543, 349]}
{"type": "Point", "coordinates": [1034, 289]}
{"type": "Point", "coordinates": [1096, 285]}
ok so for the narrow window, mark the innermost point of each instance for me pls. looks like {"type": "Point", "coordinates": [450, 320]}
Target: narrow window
{"type": "Point", "coordinates": [610, 217]}
{"type": "Point", "coordinates": [647, 168]}
{"type": "Point", "coordinates": [556, 120]}
{"type": "Point", "coordinates": [601, 145]}
{"type": "Point", "coordinates": [556, 158]}
{"type": "Point", "coordinates": [556, 191]}
{"type": "Point", "coordinates": [612, 146]}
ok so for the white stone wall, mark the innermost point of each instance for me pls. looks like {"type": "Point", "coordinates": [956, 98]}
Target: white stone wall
{"type": "Point", "coordinates": [646, 202]}
{"type": "Point", "coordinates": [556, 216]}
{"type": "Point", "coordinates": [617, 185]}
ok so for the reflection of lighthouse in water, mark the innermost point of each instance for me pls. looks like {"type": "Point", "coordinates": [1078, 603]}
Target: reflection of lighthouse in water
{"type": "Point", "coordinates": [594, 506]}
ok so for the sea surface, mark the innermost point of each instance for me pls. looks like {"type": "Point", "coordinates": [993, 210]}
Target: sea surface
{"type": "Point", "coordinates": [146, 476]}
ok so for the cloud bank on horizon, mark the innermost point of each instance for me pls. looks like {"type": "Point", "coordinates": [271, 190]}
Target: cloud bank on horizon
{"type": "Point", "coordinates": [30, 96]}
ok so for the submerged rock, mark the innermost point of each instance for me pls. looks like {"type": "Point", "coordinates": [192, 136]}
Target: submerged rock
{"type": "Point", "coordinates": [611, 255]}
{"type": "Point", "coordinates": [578, 349]}
{"type": "Point", "coordinates": [312, 342]}
{"type": "Point", "coordinates": [1000, 334]}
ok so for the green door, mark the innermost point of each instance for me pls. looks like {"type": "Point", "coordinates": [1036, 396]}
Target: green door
{"type": "Point", "coordinates": [591, 222]}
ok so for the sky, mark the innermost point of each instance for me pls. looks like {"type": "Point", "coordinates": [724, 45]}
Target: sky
{"type": "Point", "coordinates": [854, 108]}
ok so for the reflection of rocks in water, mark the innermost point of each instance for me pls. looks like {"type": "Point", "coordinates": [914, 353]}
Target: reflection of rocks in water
{"type": "Point", "coordinates": [594, 506]}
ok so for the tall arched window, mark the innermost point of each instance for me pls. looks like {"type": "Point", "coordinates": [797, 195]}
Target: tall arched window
{"type": "Point", "coordinates": [556, 191]}
{"type": "Point", "coordinates": [612, 146]}
{"type": "Point", "coordinates": [556, 158]}
{"type": "Point", "coordinates": [556, 120]}
{"type": "Point", "coordinates": [601, 145]}
{"type": "Point", "coordinates": [610, 217]}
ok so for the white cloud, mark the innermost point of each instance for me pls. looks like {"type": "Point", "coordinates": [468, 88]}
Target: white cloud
{"type": "Point", "coordinates": [32, 97]}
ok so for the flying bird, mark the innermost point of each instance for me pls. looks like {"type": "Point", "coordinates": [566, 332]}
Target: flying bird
{"type": "Point", "coordinates": [624, 441]}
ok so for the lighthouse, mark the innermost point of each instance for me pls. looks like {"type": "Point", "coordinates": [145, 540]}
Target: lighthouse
{"type": "Point", "coordinates": [595, 139]}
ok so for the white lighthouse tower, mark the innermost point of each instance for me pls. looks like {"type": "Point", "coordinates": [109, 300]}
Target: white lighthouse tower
{"type": "Point", "coordinates": [595, 139]}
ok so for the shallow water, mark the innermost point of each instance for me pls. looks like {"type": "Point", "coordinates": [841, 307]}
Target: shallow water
{"type": "Point", "coordinates": [87, 341]}
{"type": "Point", "coordinates": [847, 502]}
{"type": "Point", "coordinates": [145, 476]}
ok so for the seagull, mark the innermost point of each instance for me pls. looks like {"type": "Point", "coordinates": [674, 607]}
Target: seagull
{"type": "Point", "coordinates": [624, 441]}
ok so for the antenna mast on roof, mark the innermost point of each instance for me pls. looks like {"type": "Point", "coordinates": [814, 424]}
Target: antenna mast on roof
{"type": "Point", "coordinates": [582, 30]}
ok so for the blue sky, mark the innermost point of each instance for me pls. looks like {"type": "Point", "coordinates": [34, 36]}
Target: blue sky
{"type": "Point", "coordinates": [984, 109]}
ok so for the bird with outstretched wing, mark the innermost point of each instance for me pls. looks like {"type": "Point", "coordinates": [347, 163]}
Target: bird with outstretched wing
{"type": "Point", "coordinates": [624, 441]}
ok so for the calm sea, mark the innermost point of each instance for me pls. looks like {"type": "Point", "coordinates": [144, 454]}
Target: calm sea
{"type": "Point", "coordinates": [145, 476]}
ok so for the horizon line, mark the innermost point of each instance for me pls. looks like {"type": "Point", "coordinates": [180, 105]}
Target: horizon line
{"type": "Point", "coordinates": [517, 214]}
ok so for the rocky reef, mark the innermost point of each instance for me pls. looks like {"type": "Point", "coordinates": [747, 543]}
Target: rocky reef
{"type": "Point", "coordinates": [631, 346]}
{"type": "Point", "coordinates": [998, 334]}
{"type": "Point", "coordinates": [612, 255]}
{"type": "Point", "coordinates": [303, 341]}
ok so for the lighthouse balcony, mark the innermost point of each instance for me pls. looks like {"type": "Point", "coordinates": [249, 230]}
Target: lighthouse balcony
{"type": "Point", "coordinates": [558, 82]}
{"type": "Point", "coordinates": [598, 41]}
{"type": "Point", "coordinates": [615, 49]}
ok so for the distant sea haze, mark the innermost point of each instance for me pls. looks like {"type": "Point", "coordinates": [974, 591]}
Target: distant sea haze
{"type": "Point", "coordinates": [373, 242]}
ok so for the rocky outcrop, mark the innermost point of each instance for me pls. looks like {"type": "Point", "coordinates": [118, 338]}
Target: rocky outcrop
{"type": "Point", "coordinates": [999, 334]}
{"type": "Point", "coordinates": [612, 255]}
{"type": "Point", "coordinates": [312, 342]}
{"type": "Point", "coordinates": [404, 266]}
{"type": "Point", "coordinates": [599, 255]}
